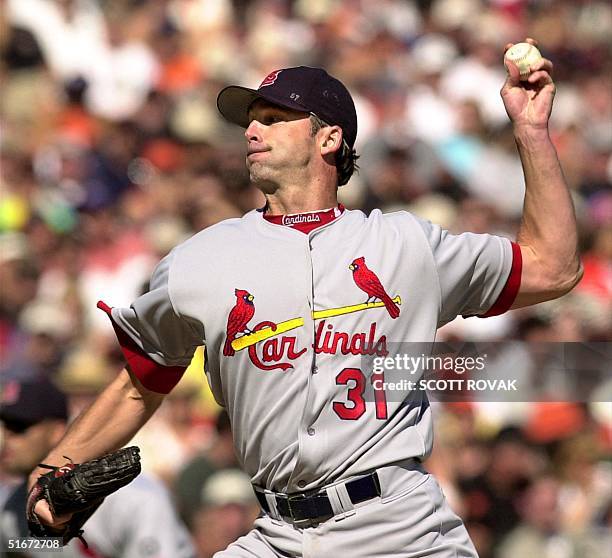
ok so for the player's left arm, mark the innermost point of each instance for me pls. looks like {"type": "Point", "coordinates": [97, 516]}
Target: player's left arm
{"type": "Point", "coordinates": [548, 235]}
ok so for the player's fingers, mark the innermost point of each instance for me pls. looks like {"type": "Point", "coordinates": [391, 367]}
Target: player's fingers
{"type": "Point", "coordinates": [531, 41]}
{"type": "Point", "coordinates": [508, 46]}
{"type": "Point", "coordinates": [542, 64]}
{"type": "Point", "coordinates": [540, 78]}
{"type": "Point", "coordinates": [44, 514]}
{"type": "Point", "coordinates": [513, 72]}
{"type": "Point", "coordinates": [61, 520]}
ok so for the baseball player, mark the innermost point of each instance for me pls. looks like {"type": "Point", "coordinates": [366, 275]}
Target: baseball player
{"type": "Point", "coordinates": [290, 298]}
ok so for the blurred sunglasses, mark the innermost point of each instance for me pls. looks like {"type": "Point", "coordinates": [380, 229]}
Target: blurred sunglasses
{"type": "Point", "coordinates": [16, 426]}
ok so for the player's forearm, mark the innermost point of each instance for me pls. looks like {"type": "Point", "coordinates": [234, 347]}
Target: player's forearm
{"type": "Point", "coordinates": [109, 423]}
{"type": "Point", "coordinates": [548, 232]}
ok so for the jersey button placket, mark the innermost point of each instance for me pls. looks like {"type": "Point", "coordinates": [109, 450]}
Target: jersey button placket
{"type": "Point", "coordinates": [305, 442]}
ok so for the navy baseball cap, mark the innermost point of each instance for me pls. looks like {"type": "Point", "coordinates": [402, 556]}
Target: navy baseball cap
{"type": "Point", "coordinates": [28, 403]}
{"type": "Point", "coordinates": [304, 89]}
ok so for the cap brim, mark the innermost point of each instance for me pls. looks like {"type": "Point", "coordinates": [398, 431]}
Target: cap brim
{"type": "Point", "coordinates": [234, 102]}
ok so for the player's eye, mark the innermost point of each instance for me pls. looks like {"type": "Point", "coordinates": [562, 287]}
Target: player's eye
{"type": "Point", "coordinates": [271, 119]}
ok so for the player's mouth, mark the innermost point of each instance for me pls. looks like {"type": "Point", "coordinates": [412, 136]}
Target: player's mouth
{"type": "Point", "coordinates": [256, 151]}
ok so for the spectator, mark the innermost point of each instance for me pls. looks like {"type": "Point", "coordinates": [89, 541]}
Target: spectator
{"type": "Point", "coordinates": [538, 533]}
{"type": "Point", "coordinates": [194, 475]}
{"type": "Point", "coordinates": [227, 511]}
{"type": "Point", "coordinates": [138, 520]}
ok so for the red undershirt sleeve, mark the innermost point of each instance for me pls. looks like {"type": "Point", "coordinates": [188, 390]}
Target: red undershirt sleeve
{"type": "Point", "coordinates": [508, 294]}
{"type": "Point", "coordinates": [153, 376]}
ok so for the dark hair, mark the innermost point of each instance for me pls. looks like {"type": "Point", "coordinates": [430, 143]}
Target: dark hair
{"type": "Point", "coordinates": [346, 157]}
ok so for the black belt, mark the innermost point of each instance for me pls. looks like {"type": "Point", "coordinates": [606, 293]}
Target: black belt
{"type": "Point", "coordinates": [300, 507]}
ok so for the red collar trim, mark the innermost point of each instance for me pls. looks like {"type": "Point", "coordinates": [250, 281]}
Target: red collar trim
{"type": "Point", "coordinates": [308, 221]}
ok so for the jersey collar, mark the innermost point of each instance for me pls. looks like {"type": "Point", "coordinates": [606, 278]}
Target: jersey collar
{"type": "Point", "coordinates": [307, 221]}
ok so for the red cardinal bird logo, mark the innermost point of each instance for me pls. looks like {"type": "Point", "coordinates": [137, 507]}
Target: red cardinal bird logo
{"type": "Point", "coordinates": [370, 284]}
{"type": "Point", "coordinates": [238, 318]}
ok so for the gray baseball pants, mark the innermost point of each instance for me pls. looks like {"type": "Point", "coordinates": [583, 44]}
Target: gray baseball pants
{"type": "Point", "coordinates": [410, 519]}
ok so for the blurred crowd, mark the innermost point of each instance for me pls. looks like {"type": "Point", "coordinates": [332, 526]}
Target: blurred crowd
{"type": "Point", "coordinates": [112, 152]}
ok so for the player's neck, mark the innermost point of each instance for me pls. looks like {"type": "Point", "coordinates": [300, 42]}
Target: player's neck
{"type": "Point", "coordinates": [298, 201]}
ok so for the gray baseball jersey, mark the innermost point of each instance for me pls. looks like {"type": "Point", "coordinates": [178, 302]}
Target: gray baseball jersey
{"type": "Point", "coordinates": [287, 317]}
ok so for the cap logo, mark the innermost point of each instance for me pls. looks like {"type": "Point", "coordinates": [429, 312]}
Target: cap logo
{"type": "Point", "coordinates": [270, 78]}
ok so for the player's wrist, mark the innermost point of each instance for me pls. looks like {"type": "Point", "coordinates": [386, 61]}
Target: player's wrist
{"type": "Point", "coordinates": [526, 133]}
{"type": "Point", "coordinates": [52, 460]}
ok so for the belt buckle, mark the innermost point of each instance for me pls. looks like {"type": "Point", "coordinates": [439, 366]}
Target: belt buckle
{"type": "Point", "coordinates": [306, 522]}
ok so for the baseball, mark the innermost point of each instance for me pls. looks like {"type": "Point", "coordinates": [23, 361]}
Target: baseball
{"type": "Point", "coordinates": [523, 55]}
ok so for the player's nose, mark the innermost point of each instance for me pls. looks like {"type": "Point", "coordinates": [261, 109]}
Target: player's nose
{"type": "Point", "coordinates": [253, 131]}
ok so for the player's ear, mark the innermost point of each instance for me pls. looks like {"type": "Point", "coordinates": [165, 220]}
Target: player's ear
{"type": "Point", "coordinates": [331, 139]}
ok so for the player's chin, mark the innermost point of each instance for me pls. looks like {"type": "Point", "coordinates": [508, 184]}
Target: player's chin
{"type": "Point", "coordinates": [258, 170]}
{"type": "Point", "coordinates": [263, 182]}
{"type": "Point", "coordinates": [253, 166]}
{"type": "Point", "coordinates": [255, 172]}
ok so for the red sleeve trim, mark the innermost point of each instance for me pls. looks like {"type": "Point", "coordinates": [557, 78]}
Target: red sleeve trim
{"type": "Point", "coordinates": [153, 376]}
{"type": "Point", "coordinates": [511, 288]}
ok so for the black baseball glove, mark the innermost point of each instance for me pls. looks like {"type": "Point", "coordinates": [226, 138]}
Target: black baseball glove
{"type": "Point", "coordinates": [79, 489]}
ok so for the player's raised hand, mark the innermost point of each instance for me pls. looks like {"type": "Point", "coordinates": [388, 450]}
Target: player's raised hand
{"type": "Point", "coordinates": [529, 102]}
